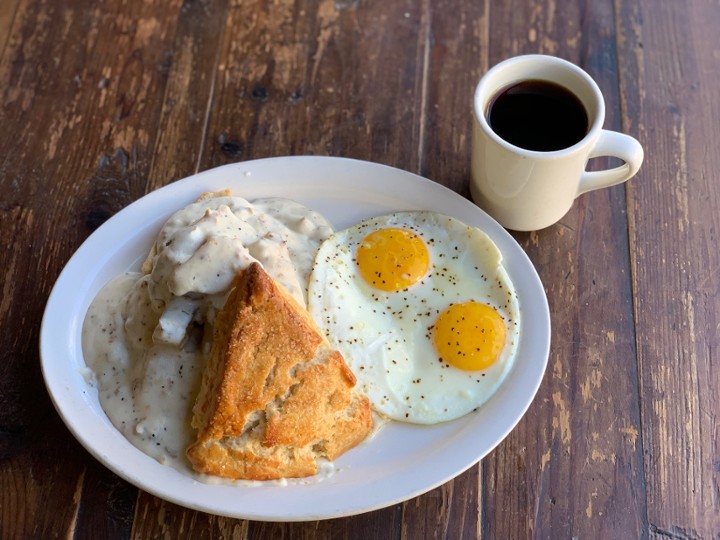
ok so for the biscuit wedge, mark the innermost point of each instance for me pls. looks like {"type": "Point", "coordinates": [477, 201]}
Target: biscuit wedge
{"type": "Point", "coordinates": [274, 396]}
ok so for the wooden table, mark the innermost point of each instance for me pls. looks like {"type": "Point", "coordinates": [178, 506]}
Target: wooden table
{"type": "Point", "coordinates": [102, 102]}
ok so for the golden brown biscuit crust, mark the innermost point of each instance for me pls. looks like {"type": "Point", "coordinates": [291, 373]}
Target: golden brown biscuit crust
{"type": "Point", "coordinates": [274, 396]}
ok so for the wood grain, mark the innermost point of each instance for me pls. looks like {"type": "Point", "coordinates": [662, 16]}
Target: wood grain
{"type": "Point", "coordinates": [8, 10]}
{"type": "Point", "coordinates": [78, 119]}
{"type": "Point", "coordinates": [573, 466]}
{"type": "Point", "coordinates": [101, 103]}
{"type": "Point", "coordinates": [293, 80]}
{"type": "Point", "coordinates": [674, 230]}
{"type": "Point", "coordinates": [192, 71]}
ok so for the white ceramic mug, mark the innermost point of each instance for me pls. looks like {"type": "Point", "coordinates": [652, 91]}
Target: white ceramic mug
{"type": "Point", "coordinates": [526, 190]}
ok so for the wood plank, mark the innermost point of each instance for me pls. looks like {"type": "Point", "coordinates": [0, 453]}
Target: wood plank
{"type": "Point", "coordinates": [674, 236]}
{"type": "Point", "coordinates": [31, 446]}
{"type": "Point", "coordinates": [104, 504]}
{"type": "Point", "coordinates": [192, 74]}
{"type": "Point", "coordinates": [157, 518]}
{"type": "Point", "coordinates": [381, 524]}
{"type": "Point", "coordinates": [304, 78]}
{"type": "Point", "coordinates": [450, 511]}
{"type": "Point", "coordinates": [457, 58]}
{"type": "Point", "coordinates": [572, 467]}
{"type": "Point", "coordinates": [77, 121]}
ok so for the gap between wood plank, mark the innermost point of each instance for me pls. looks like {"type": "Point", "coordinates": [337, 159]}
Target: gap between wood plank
{"type": "Point", "coordinates": [9, 28]}
{"type": "Point", "coordinates": [211, 94]}
{"type": "Point", "coordinates": [424, 87]}
{"type": "Point", "coordinates": [625, 121]}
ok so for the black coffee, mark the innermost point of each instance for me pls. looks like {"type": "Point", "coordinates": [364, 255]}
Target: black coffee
{"type": "Point", "coordinates": [538, 115]}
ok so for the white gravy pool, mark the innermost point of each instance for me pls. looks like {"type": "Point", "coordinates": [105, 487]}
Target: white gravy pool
{"type": "Point", "coordinates": [146, 334]}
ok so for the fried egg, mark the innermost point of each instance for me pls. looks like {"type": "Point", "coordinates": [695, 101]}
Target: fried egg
{"type": "Point", "coordinates": [423, 311]}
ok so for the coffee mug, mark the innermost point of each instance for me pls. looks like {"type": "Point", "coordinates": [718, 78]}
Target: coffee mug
{"type": "Point", "coordinates": [528, 178]}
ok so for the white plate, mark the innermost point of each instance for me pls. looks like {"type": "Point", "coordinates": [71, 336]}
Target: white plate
{"type": "Point", "coordinates": [403, 460]}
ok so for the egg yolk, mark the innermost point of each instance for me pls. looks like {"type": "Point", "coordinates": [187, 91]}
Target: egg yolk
{"type": "Point", "coordinates": [469, 336]}
{"type": "Point", "coordinates": [392, 259]}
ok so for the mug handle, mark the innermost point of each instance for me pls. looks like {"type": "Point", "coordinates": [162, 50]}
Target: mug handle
{"type": "Point", "coordinates": [613, 144]}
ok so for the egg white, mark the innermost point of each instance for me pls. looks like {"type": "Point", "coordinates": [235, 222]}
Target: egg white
{"type": "Point", "coordinates": [386, 337]}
